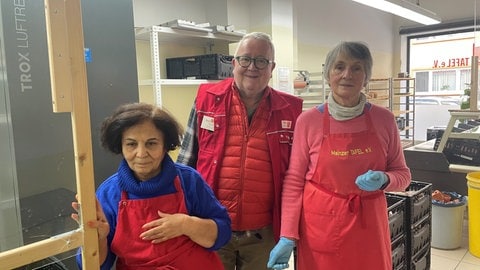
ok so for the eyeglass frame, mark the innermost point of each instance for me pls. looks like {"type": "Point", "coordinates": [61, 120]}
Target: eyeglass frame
{"type": "Point", "coordinates": [254, 60]}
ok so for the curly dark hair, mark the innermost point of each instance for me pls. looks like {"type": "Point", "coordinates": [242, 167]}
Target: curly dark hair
{"type": "Point", "coordinates": [131, 114]}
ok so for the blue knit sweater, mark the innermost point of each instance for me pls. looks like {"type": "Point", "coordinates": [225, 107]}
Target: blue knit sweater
{"type": "Point", "coordinates": [199, 198]}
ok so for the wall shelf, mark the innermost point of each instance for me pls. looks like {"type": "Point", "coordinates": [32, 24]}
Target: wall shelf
{"type": "Point", "coordinates": [176, 82]}
{"type": "Point", "coordinates": [169, 34]}
{"type": "Point", "coordinates": [161, 34]}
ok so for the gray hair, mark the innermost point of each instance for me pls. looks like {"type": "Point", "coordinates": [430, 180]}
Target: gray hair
{"type": "Point", "coordinates": [353, 49]}
{"type": "Point", "coordinates": [257, 35]}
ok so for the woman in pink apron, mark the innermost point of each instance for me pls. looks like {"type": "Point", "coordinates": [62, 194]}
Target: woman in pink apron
{"type": "Point", "coordinates": [153, 213]}
{"type": "Point", "coordinates": [345, 154]}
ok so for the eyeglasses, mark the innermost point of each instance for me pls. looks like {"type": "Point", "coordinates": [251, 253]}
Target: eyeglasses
{"type": "Point", "coordinates": [258, 62]}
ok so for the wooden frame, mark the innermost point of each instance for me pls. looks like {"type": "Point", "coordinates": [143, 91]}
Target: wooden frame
{"type": "Point", "coordinates": [69, 94]}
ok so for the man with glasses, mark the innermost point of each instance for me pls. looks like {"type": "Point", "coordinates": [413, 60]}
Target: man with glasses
{"type": "Point", "coordinates": [239, 138]}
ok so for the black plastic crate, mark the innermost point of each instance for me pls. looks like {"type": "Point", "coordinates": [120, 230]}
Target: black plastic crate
{"type": "Point", "coordinates": [418, 201]}
{"type": "Point", "coordinates": [419, 237]}
{"type": "Point", "coordinates": [207, 66]}
{"type": "Point", "coordinates": [174, 69]}
{"type": "Point", "coordinates": [216, 66]}
{"type": "Point", "coordinates": [399, 252]}
{"type": "Point", "coordinates": [192, 67]}
{"type": "Point", "coordinates": [418, 218]}
{"type": "Point", "coordinates": [183, 67]}
{"type": "Point", "coordinates": [422, 260]}
{"type": "Point", "coordinates": [396, 215]}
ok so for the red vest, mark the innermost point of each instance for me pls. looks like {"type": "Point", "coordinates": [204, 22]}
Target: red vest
{"type": "Point", "coordinates": [245, 183]}
{"type": "Point", "coordinates": [213, 102]}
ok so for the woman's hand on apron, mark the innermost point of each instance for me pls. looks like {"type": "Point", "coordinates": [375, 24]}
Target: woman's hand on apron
{"type": "Point", "coordinates": [168, 226]}
{"type": "Point", "coordinates": [371, 180]}
{"type": "Point", "coordinates": [280, 254]}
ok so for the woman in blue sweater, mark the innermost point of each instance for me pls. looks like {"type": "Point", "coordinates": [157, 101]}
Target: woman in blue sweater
{"type": "Point", "coordinates": [154, 214]}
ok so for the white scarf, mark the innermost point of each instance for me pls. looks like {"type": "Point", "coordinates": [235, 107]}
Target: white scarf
{"type": "Point", "coordinates": [341, 113]}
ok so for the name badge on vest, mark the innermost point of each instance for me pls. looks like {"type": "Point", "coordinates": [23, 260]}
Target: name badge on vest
{"type": "Point", "coordinates": [286, 124]}
{"type": "Point", "coordinates": [207, 123]}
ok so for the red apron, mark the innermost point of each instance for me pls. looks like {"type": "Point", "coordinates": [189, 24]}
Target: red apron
{"type": "Point", "coordinates": [341, 226]}
{"type": "Point", "coordinates": [178, 253]}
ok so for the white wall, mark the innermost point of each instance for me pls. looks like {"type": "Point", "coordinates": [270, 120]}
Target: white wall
{"type": "Point", "coordinates": [330, 21]}
{"type": "Point", "coordinates": [319, 22]}
{"type": "Point", "coordinates": [322, 22]}
{"type": "Point", "coordinates": [320, 25]}
{"type": "Point", "coordinates": [154, 12]}
{"type": "Point", "coordinates": [317, 25]}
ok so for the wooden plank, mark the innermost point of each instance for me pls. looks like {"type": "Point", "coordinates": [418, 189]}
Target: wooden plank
{"type": "Point", "coordinates": [474, 84]}
{"type": "Point", "coordinates": [69, 94]}
{"type": "Point", "coordinates": [68, 62]}
{"type": "Point", "coordinates": [59, 56]}
{"type": "Point", "coordinates": [39, 250]}
{"type": "Point", "coordinates": [82, 139]}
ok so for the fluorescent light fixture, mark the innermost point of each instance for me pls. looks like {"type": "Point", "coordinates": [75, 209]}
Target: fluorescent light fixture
{"type": "Point", "coordinates": [404, 9]}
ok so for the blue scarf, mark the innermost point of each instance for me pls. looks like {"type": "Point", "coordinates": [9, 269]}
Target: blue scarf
{"type": "Point", "coordinates": [161, 183]}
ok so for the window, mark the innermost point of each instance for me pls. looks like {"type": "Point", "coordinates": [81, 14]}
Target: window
{"type": "Point", "coordinates": [465, 78]}
{"type": "Point", "coordinates": [440, 60]}
{"type": "Point", "coordinates": [443, 81]}
{"type": "Point", "coordinates": [421, 82]}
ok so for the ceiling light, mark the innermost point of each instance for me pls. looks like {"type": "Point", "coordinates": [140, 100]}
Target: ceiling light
{"type": "Point", "coordinates": [404, 9]}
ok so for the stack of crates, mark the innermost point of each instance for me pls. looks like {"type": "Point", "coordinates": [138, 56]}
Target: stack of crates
{"type": "Point", "coordinates": [418, 223]}
{"type": "Point", "coordinates": [396, 220]}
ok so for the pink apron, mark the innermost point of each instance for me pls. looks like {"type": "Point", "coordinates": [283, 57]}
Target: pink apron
{"type": "Point", "coordinates": [177, 253]}
{"type": "Point", "coordinates": [341, 226]}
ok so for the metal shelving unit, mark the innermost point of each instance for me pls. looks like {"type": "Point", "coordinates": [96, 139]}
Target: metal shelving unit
{"type": "Point", "coordinates": [195, 37]}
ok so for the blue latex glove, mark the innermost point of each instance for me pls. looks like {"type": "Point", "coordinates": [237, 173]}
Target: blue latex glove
{"type": "Point", "coordinates": [280, 254]}
{"type": "Point", "coordinates": [371, 180]}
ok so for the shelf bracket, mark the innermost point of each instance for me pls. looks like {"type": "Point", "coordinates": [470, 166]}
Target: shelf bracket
{"type": "Point", "coordinates": [154, 47]}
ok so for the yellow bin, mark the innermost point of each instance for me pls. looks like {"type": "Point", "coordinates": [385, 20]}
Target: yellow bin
{"type": "Point", "coordinates": [474, 213]}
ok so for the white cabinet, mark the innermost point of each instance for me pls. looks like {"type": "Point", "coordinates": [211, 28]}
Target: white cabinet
{"type": "Point", "coordinates": [157, 35]}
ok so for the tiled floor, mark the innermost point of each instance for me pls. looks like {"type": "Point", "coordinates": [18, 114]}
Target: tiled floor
{"type": "Point", "coordinates": [457, 259]}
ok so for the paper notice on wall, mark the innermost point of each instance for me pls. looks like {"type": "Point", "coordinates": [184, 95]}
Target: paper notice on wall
{"type": "Point", "coordinates": [283, 80]}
